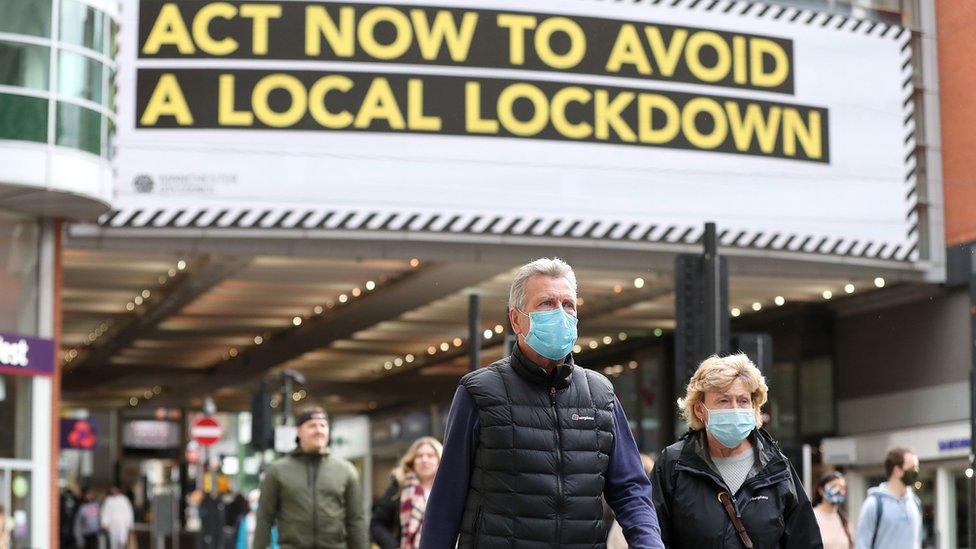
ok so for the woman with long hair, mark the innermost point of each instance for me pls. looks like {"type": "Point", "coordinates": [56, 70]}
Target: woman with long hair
{"type": "Point", "coordinates": [834, 527]}
{"type": "Point", "coordinates": [398, 515]}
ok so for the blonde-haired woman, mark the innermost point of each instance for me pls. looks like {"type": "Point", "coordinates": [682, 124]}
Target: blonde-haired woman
{"type": "Point", "coordinates": [726, 483]}
{"type": "Point", "coordinates": [398, 515]}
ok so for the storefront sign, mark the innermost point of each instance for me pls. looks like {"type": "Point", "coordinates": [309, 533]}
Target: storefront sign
{"type": "Point", "coordinates": [79, 434]}
{"type": "Point", "coordinates": [632, 121]}
{"type": "Point", "coordinates": [349, 437]}
{"type": "Point", "coordinates": [150, 434]}
{"type": "Point", "coordinates": [26, 355]}
{"type": "Point", "coordinates": [953, 444]}
{"type": "Point", "coordinates": [942, 441]}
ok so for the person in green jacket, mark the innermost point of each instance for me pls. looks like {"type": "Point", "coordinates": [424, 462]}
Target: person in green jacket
{"type": "Point", "coordinates": [313, 497]}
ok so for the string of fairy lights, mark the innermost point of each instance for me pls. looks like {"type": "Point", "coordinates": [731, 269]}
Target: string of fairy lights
{"type": "Point", "coordinates": [490, 333]}
{"type": "Point", "coordinates": [594, 343]}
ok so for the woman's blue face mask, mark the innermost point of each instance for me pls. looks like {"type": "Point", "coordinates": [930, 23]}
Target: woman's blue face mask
{"type": "Point", "coordinates": [551, 333]}
{"type": "Point", "coordinates": [731, 426]}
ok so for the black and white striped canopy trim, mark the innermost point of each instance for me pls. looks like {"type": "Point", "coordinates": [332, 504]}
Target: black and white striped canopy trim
{"type": "Point", "coordinates": [480, 224]}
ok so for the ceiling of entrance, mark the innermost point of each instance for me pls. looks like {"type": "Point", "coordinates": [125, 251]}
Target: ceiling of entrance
{"type": "Point", "coordinates": [159, 329]}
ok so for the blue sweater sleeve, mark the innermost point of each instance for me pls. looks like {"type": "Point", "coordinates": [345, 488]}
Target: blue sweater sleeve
{"type": "Point", "coordinates": [628, 490]}
{"type": "Point", "coordinates": [445, 505]}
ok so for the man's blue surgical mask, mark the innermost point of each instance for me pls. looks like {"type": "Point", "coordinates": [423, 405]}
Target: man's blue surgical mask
{"type": "Point", "coordinates": [551, 333]}
{"type": "Point", "coordinates": [731, 427]}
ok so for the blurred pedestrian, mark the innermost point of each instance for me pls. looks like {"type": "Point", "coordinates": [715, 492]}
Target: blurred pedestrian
{"type": "Point", "coordinates": [6, 528]}
{"type": "Point", "coordinates": [117, 518]}
{"type": "Point", "coordinates": [616, 538]}
{"type": "Point", "coordinates": [834, 527]}
{"type": "Point", "coordinates": [88, 521]}
{"type": "Point", "coordinates": [891, 516]}
{"type": "Point", "coordinates": [399, 513]}
{"type": "Point", "coordinates": [245, 529]}
{"type": "Point", "coordinates": [312, 496]}
{"type": "Point", "coordinates": [533, 441]}
{"type": "Point", "coordinates": [68, 504]}
{"type": "Point", "coordinates": [726, 483]}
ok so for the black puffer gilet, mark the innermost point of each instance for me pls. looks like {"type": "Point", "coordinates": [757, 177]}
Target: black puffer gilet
{"type": "Point", "coordinates": [541, 462]}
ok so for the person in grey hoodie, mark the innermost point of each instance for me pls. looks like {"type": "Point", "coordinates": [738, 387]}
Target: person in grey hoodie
{"type": "Point", "coordinates": [891, 517]}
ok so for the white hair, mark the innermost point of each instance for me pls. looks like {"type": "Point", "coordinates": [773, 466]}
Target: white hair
{"type": "Point", "coordinates": [554, 267]}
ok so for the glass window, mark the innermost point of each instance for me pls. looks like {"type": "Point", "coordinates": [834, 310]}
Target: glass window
{"type": "Point", "coordinates": [26, 17]}
{"type": "Point", "coordinates": [19, 491]}
{"type": "Point", "coordinates": [112, 89]}
{"type": "Point", "coordinates": [113, 45]}
{"type": "Point", "coordinates": [24, 65]}
{"type": "Point", "coordinates": [108, 150]}
{"type": "Point", "coordinates": [80, 128]}
{"type": "Point", "coordinates": [782, 403]}
{"type": "Point", "coordinates": [15, 397]}
{"type": "Point", "coordinates": [817, 393]}
{"type": "Point", "coordinates": [82, 25]}
{"type": "Point", "coordinates": [959, 499]}
{"type": "Point", "coordinates": [23, 118]}
{"type": "Point", "coordinates": [79, 77]}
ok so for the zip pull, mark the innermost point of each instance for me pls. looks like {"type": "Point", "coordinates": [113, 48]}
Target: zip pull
{"type": "Point", "coordinates": [552, 394]}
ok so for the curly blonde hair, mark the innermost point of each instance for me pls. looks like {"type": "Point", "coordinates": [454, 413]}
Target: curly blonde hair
{"type": "Point", "coordinates": [406, 462]}
{"type": "Point", "coordinates": [717, 373]}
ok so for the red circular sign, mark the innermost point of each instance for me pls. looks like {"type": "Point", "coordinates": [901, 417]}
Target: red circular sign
{"type": "Point", "coordinates": [206, 431]}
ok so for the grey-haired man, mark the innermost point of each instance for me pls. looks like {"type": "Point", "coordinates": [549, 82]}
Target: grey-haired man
{"type": "Point", "coordinates": [533, 441]}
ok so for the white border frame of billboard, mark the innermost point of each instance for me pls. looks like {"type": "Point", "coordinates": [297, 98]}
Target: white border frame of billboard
{"type": "Point", "coordinates": [286, 218]}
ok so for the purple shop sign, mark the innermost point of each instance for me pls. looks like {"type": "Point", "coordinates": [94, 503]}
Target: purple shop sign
{"type": "Point", "coordinates": [22, 355]}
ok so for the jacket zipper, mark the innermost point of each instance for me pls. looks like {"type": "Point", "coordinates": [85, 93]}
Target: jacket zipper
{"type": "Point", "coordinates": [315, 507]}
{"type": "Point", "coordinates": [559, 466]}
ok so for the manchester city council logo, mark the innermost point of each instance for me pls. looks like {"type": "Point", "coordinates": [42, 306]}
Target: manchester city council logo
{"type": "Point", "coordinates": [143, 184]}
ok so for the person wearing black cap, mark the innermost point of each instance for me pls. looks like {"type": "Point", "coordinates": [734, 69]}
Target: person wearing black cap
{"type": "Point", "coordinates": [313, 497]}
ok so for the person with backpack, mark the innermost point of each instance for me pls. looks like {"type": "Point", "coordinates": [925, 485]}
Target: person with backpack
{"type": "Point", "coordinates": [726, 483]}
{"type": "Point", "coordinates": [891, 517]}
{"type": "Point", "coordinates": [831, 493]}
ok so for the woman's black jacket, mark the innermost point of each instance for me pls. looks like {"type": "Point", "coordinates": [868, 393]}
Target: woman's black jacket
{"type": "Point", "coordinates": [771, 502]}
{"type": "Point", "coordinates": [384, 527]}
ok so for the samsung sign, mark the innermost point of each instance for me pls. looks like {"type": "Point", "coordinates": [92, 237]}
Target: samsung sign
{"type": "Point", "coordinates": [26, 355]}
{"type": "Point", "coordinates": [632, 121]}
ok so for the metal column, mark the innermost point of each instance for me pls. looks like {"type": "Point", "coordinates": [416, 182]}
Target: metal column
{"type": "Point", "coordinates": [474, 332]}
{"type": "Point", "coordinates": [712, 271]}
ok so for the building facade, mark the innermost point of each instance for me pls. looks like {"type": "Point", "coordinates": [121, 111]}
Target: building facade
{"type": "Point", "coordinates": [56, 122]}
{"type": "Point", "coordinates": [327, 201]}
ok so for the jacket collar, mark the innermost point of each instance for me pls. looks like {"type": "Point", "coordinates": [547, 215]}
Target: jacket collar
{"type": "Point", "coordinates": [560, 378]}
{"type": "Point", "coordinates": [694, 452]}
{"type": "Point", "coordinates": [302, 454]}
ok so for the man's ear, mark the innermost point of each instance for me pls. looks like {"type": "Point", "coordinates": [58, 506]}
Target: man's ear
{"type": "Point", "coordinates": [516, 319]}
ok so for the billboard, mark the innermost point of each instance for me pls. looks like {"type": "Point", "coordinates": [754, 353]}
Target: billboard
{"type": "Point", "coordinates": [636, 121]}
{"type": "Point", "coordinates": [150, 434]}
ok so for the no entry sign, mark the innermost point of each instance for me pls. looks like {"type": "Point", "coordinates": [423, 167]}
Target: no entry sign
{"type": "Point", "coordinates": [206, 431]}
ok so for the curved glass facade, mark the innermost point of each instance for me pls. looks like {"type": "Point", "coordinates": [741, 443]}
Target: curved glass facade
{"type": "Point", "coordinates": [57, 73]}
